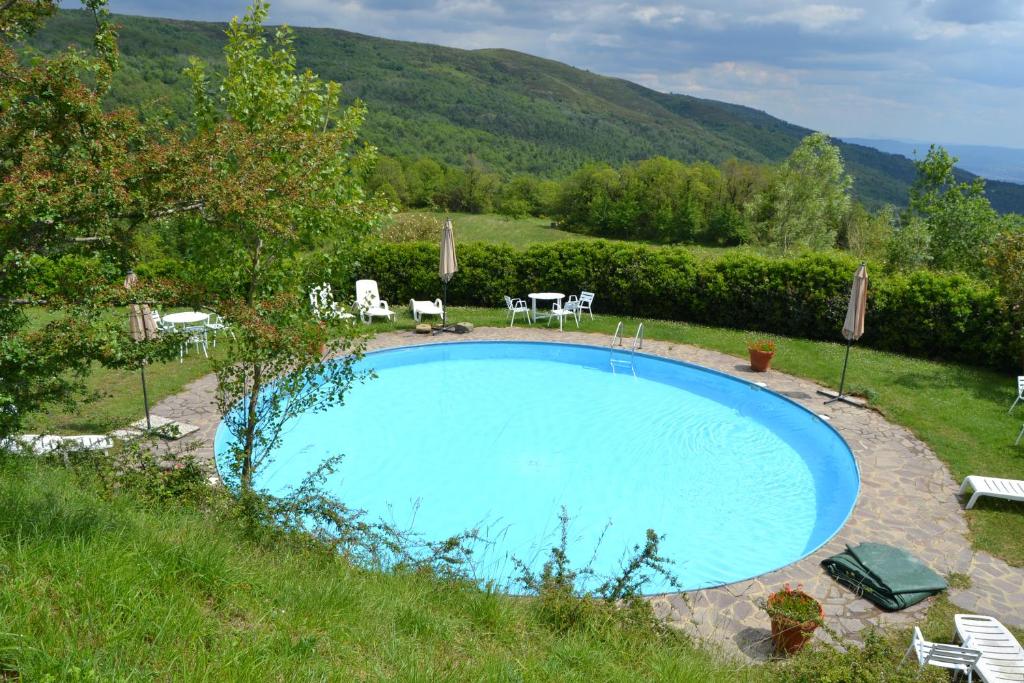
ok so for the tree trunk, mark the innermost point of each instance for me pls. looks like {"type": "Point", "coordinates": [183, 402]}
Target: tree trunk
{"type": "Point", "coordinates": [250, 428]}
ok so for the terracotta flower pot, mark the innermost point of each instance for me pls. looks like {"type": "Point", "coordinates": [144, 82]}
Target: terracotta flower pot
{"type": "Point", "coordinates": [760, 361]}
{"type": "Point", "coordinates": [789, 635]}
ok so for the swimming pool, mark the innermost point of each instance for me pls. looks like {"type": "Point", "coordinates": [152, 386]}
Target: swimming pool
{"type": "Point", "coordinates": [500, 436]}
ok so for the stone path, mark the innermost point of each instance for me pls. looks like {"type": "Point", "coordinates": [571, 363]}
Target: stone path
{"type": "Point", "coordinates": [908, 499]}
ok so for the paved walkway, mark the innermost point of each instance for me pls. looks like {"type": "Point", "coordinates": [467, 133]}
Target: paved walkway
{"type": "Point", "coordinates": [907, 499]}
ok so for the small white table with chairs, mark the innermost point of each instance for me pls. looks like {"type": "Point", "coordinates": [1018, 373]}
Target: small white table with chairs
{"type": "Point", "coordinates": [193, 324]}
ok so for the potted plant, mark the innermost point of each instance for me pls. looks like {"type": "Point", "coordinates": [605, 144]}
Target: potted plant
{"type": "Point", "coordinates": [761, 353]}
{"type": "Point", "coordinates": [795, 615]}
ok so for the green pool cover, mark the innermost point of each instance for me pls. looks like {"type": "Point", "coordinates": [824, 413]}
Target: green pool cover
{"type": "Point", "coordinates": [889, 577]}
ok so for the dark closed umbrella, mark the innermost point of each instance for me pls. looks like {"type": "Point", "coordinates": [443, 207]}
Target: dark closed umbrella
{"type": "Point", "coordinates": [853, 326]}
{"type": "Point", "coordinates": [449, 264]}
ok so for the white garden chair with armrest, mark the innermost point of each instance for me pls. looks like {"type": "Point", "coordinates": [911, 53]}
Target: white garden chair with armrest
{"type": "Point", "coordinates": [959, 659]}
{"type": "Point", "coordinates": [422, 308]}
{"type": "Point", "coordinates": [1020, 394]}
{"type": "Point", "coordinates": [196, 334]}
{"type": "Point", "coordinates": [581, 304]}
{"type": "Point", "coordinates": [369, 302]}
{"type": "Point", "coordinates": [560, 312]}
{"type": "Point", "coordinates": [516, 306]}
{"type": "Point", "coordinates": [217, 324]}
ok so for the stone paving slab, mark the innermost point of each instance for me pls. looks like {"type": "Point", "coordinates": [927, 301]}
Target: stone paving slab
{"type": "Point", "coordinates": [908, 499]}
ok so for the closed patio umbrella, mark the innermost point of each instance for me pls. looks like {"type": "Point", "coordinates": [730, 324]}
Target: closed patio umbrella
{"type": "Point", "coordinates": [853, 326]}
{"type": "Point", "coordinates": [448, 265]}
{"type": "Point", "coordinates": [142, 327]}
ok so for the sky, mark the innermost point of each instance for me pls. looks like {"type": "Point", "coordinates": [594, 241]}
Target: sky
{"type": "Point", "coordinates": [945, 71]}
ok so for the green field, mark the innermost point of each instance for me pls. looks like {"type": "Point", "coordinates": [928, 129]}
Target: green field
{"type": "Point", "coordinates": [518, 232]}
{"type": "Point", "coordinates": [522, 232]}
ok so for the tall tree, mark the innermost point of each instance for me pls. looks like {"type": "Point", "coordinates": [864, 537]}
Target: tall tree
{"type": "Point", "coordinates": [804, 205]}
{"type": "Point", "coordinates": [958, 214]}
{"type": "Point", "coordinates": [75, 183]}
{"type": "Point", "coordinates": [276, 173]}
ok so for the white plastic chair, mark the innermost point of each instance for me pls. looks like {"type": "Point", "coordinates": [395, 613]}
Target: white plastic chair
{"type": "Point", "coordinates": [1002, 658]}
{"type": "Point", "coordinates": [516, 306]}
{"type": "Point", "coordinates": [1020, 394]}
{"type": "Point", "coordinates": [1007, 489]}
{"type": "Point", "coordinates": [557, 311]}
{"type": "Point", "coordinates": [422, 308]}
{"type": "Point", "coordinates": [46, 443]}
{"type": "Point", "coordinates": [216, 325]}
{"type": "Point", "coordinates": [369, 302]}
{"type": "Point", "coordinates": [581, 304]}
{"type": "Point", "coordinates": [960, 659]}
{"type": "Point", "coordinates": [195, 334]}
{"type": "Point", "coordinates": [161, 325]}
{"type": "Point", "coordinates": [323, 305]}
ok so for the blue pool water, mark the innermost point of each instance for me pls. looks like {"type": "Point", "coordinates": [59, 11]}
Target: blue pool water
{"type": "Point", "coordinates": [500, 436]}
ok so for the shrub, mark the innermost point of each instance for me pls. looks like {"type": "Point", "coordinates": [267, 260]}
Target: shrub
{"type": "Point", "coordinates": [922, 313]}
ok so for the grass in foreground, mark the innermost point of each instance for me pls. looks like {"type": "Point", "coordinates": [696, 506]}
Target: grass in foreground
{"type": "Point", "coordinates": [959, 411]}
{"type": "Point", "coordinates": [126, 590]}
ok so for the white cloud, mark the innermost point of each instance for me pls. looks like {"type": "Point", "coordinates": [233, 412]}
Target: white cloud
{"type": "Point", "coordinates": [811, 17]}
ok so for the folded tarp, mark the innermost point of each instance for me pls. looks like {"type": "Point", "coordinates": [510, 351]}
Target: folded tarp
{"type": "Point", "coordinates": [889, 577]}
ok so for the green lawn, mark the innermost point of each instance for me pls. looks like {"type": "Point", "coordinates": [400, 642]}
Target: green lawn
{"type": "Point", "coordinates": [959, 411]}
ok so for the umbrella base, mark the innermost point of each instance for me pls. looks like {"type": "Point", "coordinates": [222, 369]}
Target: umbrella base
{"type": "Point", "coordinates": [836, 396]}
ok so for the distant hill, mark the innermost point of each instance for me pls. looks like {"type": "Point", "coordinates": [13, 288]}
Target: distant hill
{"type": "Point", "coordinates": [511, 111]}
{"type": "Point", "coordinates": [995, 163]}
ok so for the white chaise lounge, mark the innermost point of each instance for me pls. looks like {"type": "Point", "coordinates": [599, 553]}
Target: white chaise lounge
{"type": "Point", "coordinates": [1008, 489]}
{"type": "Point", "coordinates": [45, 443]}
{"type": "Point", "coordinates": [369, 302]}
{"type": "Point", "coordinates": [422, 308]}
{"type": "Point", "coordinates": [1002, 659]}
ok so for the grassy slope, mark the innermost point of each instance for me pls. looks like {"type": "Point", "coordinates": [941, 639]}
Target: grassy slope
{"type": "Point", "coordinates": [167, 593]}
{"type": "Point", "coordinates": [512, 111]}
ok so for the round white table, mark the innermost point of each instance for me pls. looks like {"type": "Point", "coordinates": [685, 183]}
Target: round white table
{"type": "Point", "coordinates": [544, 296]}
{"type": "Point", "coordinates": [186, 318]}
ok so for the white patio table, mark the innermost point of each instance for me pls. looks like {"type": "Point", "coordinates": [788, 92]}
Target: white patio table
{"type": "Point", "coordinates": [186, 318]}
{"type": "Point", "coordinates": [544, 296]}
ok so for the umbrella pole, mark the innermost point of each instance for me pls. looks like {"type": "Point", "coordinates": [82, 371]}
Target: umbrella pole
{"type": "Point", "coordinates": [842, 380]}
{"type": "Point", "coordinates": [444, 309]}
{"type": "Point", "coordinates": [145, 394]}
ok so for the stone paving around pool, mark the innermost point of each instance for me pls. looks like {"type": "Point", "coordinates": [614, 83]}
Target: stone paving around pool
{"type": "Point", "coordinates": [908, 499]}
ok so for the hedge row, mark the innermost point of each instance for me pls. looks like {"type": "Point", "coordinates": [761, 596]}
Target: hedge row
{"type": "Point", "coordinates": [928, 314]}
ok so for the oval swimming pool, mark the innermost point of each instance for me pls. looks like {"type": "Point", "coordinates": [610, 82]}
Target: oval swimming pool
{"type": "Point", "coordinates": [500, 436]}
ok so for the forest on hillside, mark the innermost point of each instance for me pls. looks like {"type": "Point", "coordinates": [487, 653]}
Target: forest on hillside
{"type": "Point", "coordinates": [505, 112]}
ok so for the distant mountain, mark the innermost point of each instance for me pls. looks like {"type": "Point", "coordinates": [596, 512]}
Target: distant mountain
{"type": "Point", "coordinates": [511, 111]}
{"type": "Point", "coordinates": [993, 163]}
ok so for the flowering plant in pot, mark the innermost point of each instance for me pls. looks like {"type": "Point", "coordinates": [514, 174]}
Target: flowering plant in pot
{"type": "Point", "coordinates": [795, 615]}
{"type": "Point", "coordinates": [761, 353]}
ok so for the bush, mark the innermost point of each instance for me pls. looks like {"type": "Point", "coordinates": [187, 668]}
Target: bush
{"type": "Point", "coordinates": [923, 313]}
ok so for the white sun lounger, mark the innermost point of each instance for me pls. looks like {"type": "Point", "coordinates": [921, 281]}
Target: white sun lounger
{"type": "Point", "coordinates": [1008, 489]}
{"type": "Point", "coordinates": [44, 443]}
{"type": "Point", "coordinates": [1002, 659]}
{"type": "Point", "coordinates": [422, 308]}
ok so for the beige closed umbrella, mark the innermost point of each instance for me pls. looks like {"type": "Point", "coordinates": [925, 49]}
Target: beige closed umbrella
{"type": "Point", "coordinates": [853, 326]}
{"type": "Point", "coordinates": [448, 265]}
{"type": "Point", "coordinates": [142, 328]}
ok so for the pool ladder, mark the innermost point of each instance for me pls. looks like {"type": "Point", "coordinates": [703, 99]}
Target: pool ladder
{"type": "Point", "coordinates": [638, 343]}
